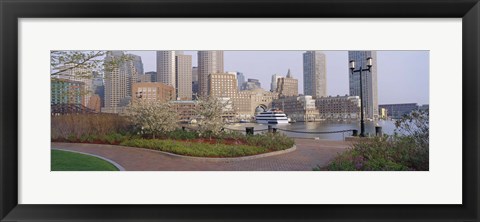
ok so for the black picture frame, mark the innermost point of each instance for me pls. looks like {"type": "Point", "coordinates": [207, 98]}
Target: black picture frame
{"type": "Point", "coordinates": [12, 10]}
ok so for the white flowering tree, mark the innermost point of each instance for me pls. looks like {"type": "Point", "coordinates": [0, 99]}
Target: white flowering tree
{"type": "Point", "coordinates": [209, 112]}
{"type": "Point", "coordinates": [152, 117]}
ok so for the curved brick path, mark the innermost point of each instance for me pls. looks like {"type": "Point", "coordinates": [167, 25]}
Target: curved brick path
{"type": "Point", "coordinates": [309, 153]}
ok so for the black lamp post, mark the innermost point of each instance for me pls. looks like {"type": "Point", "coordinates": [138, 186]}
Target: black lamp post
{"type": "Point", "coordinates": [360, 70]}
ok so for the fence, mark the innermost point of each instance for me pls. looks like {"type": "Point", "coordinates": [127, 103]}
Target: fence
{"type": "Point", "coordinates": [272, 129]}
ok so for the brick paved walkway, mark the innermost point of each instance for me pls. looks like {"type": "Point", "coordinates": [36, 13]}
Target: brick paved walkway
{"type": "Point", "coordinates": [309, 153]}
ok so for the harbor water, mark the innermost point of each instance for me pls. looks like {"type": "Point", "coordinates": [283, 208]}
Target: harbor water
{"type": "Point", "coordinates": [319, 129]}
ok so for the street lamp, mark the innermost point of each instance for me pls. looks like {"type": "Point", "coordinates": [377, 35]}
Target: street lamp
{"type": "Point", "coordinates": [360, 70]}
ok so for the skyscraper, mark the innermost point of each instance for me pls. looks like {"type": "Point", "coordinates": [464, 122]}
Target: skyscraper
{"type": "Point", "coordinates": [183, 73]}
{"type": "Point", "coordinates": [314, 74]}
{"type": "Point", "coordinates": [369, 81]}
{"type": "Point", "coordinates": [240, 80]}
{"type": "Point", "coordinates": [195, 81]}
{"type": "Point", "coordinates": [118, 81]}
{"type": "Point", "coordinates": [166, 67]}
{"type": "Point", "coordinates": [209, 62]}
{"type": "Point", "coordinates": [137, 62]}
{"type": "Point", "coordinates": [273, 84]}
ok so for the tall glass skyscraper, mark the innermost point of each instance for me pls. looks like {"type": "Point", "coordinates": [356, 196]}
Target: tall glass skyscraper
{"type": "Point", "coordinates": [369, 81]}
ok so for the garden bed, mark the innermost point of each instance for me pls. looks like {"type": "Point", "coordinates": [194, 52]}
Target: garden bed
{"type": "Point", "coordinates": [191, 144]}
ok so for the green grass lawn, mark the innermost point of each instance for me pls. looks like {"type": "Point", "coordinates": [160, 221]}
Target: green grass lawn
{"type": "Point", "coordinates": [68, 161]}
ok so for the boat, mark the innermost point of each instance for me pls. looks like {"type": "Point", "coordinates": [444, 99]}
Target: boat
{"type": "Point", "coordinates": [272, 116]}
{"type": "Point", "coordinates": [243, 121]}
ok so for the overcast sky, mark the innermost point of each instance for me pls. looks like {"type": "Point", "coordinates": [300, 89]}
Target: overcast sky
{"type": "Point", "coordinates": [403, 76]}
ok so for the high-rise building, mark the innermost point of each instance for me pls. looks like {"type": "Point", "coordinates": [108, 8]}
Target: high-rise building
{"type": "Point", "coordinates": [183, 73]}
{"type": "Point", "coordinates": [222, 85]}
{"type": "Point", "coordinates": [137, 62]}
{"type": "Point", "coordinates": [287, 86]}
{"type": "Point", "coordinates": [240, 80]}
{"type": "Point", "coordinates": [118, 82]}
{"type": "Point", "coordinates": [98, 88]}
{"type": "Point", "coordinates": [209, 62]}
{"type": "Point", "coordinates": [369, 82]}
{"type": "Point", "coordinates": [314, 74]}
{"type": "Point", "coordinates": [273, 85]}
{"type": "Point", "coordinates": [252, 84]}
{"type": "Point", "coordinates": [195, 81]}
{"type": "Point", "coordinates": [166, 67]}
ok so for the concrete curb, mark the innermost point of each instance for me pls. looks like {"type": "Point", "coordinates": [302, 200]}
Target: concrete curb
{"type": "Point", "coordinates": [221, 160]}
{"type": "Point", "coordinates": [225, 159]}
{"type": "Point", "coordinates": [118, 166]}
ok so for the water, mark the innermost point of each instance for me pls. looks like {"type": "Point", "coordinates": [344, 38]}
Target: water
{"type": "Point", "coordinates": [388, 127]}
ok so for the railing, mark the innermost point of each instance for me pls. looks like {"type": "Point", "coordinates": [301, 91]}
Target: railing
{"type": "Point", "coordinates": [272, 129]}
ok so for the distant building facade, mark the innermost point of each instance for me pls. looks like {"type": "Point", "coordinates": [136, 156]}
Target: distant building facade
{"type": "Point", "coordinates": [65, 91]}
{"type": "Point", "coordinates": [75, 73]}
{"type": "Point", "coordinates": [298, 108]}
{"type": "Point", "coordinates": [273, 84]}
{"type": "Point", "coordinates": [95, 103]}
{"type": "Point", "coordinates": [118, 82]}
{"type": "Point", "coordinates": [166, 67]}
{"type": "Point", "coordinates": [183, 74]}
{"type": "Point", "coordinates": [246, 102]}
{"type": "Point", "coordinates": [209, 62]}
{"type": "Point", "coordinates": [338, 107]}
{"type": "Point", "coordinates": [154, 91]}
{"type": "Point", "coordinates": [287, 86]}
{"type": "Point", "coordinates": [252, 84]}
{"type": "Point", "coordinates": [148, 77]}
{"type": "Point", "coordinates": [396, 111]}
{"type": "Point", "coordinates": [137, 62]}
{"type": "Point", "coordinates": [222, 85]}
{"type": "Point", "coordinates": [382, 113]}
{"type": "Point", "coordinates": [314, 74]}
{"type": "Point", "coordinates": [195, 86]}
{"type": "Point", "coordinates": [240, 80]}
{"type": "Point", "coordinates": [369, 81]}
{"type": "Point", "coordinates": [185, 109]}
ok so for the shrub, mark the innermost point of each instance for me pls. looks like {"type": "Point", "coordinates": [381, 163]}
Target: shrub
{"type": "Point", "coordinates": [74, 126]}
{"type": "Point", "coordinates": [181, 135]}
{"type": "Point", "coordinates": [272, 141]}
{"type": "Point", "coordinates": [406, 151]}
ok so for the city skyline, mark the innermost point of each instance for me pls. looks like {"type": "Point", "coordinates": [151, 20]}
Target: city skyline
{"type": "Point", "coordinates": [398, 70]}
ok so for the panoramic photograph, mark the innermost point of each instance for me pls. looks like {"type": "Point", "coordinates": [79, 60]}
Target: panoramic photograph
{"type": "Point", "coordinates": [239, 110]}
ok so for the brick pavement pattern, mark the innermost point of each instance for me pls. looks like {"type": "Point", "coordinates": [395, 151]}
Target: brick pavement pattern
{"type": "Point", "coordinates": [309, 153]}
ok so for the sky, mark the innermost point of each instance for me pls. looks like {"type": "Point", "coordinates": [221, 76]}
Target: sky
{"type": "Point", "coordinates": [403, 76]}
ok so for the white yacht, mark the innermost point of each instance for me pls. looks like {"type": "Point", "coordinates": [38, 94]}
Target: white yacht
{"type": "Point", "coordinates": [272, 116]}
